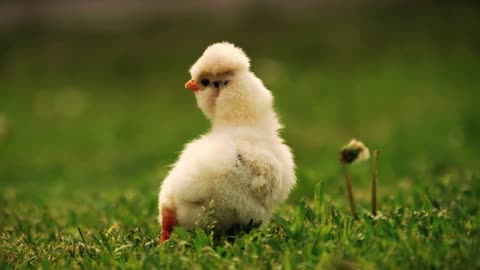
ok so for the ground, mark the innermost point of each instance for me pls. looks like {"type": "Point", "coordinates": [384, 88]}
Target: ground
{"type": "Point", "coordinates": [90, 121]}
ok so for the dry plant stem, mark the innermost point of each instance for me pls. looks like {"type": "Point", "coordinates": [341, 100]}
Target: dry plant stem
{"type": "Point", "coordinates": [350, 192]}
{"type": "Point", "coordinates": [374, 182]}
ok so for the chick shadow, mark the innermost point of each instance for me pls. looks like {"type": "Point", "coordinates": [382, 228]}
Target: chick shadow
{"type": "Point", "coordinates": [235, 232]}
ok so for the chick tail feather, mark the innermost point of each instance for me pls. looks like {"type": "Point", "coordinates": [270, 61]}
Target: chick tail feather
{"type": "Point", "coordinates": [169, 220]}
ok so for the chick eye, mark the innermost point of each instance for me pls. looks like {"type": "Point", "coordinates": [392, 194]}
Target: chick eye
{"type": "Point", "coordinates": [205, 82]}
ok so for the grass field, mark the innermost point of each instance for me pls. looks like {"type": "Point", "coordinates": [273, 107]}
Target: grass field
{"type": "Point", "coordinates": [91, 119]}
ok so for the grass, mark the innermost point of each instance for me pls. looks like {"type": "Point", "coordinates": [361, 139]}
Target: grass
{"type": "Point", "coordinates": [94, 119]}
{"type": "Point", "coordinates": [423, 234]}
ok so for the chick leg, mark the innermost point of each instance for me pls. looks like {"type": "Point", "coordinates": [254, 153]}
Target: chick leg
{"type": "Point", "coordinates": [168, 221]}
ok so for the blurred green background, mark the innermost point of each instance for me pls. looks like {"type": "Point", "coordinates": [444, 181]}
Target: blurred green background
{"type": "Point", "coordinates": [93, 103]}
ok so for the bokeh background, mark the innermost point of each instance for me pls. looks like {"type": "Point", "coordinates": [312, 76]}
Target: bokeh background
{"type": "Point", "coordinates": [92, 100]}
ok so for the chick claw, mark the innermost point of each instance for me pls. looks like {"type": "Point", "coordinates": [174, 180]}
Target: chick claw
{"type": "Point", "coordinates": [168, 222]}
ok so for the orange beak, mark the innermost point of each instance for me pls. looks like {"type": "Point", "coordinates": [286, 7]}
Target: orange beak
{"type": "Point", "coordinates": [192, 85]}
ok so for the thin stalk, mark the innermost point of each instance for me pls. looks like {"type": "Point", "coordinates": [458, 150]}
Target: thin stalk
{"type": "Point", "coordinates": [350, 192]}
{"type": "Point", "coordinates": [374, 182]}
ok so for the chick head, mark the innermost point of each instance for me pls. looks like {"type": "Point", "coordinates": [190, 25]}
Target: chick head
{"type": "Point", "coordinates": [226, 90]}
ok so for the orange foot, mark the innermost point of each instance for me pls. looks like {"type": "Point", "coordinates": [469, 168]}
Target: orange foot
{"type": "Point", "coordinates": [168, 221]}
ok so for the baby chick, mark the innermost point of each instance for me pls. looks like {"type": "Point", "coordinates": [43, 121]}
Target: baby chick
{"type": "Point", "coordinates": [242, 165]}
